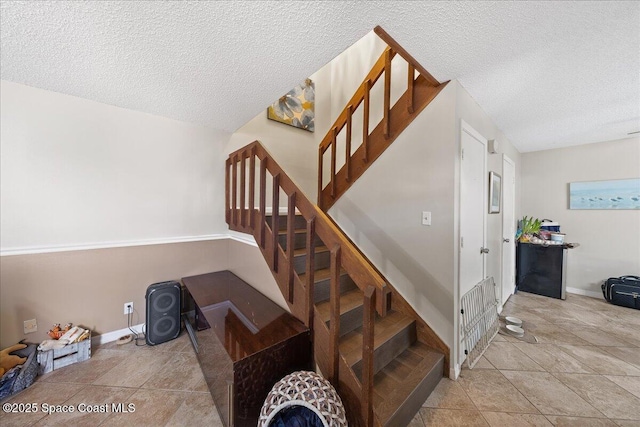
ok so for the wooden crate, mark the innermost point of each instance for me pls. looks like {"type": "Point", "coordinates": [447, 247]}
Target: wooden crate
{"type": "Point", "coordinates": [67, 355]}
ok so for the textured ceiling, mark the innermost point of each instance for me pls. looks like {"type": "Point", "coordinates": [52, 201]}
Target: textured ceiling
{"type": "Point", "coordinates": [550, 74]}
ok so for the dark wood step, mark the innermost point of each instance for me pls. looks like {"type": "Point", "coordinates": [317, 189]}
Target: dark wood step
{"type": "Point", "coordinates": [321, 260]}
{"type": "Point", "coordinates": [298, 223]}
{"type": "Point", "coordinates": [393, 334]}
{"type": "Point", "coordinates": [351, 304]}
{"type": "Point", "coordinates": [322, 284]}
{"type": "Point", "coordinates": [402, 386]}
{"type": "Point", "coordinates": [299, 240]}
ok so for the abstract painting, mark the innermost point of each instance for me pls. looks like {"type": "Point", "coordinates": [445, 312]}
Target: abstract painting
{"type": "Point", "coordinates": [611, 194]}
{"type": "Point", "coordinates": [296, 108]}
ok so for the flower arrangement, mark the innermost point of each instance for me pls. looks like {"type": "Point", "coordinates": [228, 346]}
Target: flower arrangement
{"type": "Point", "coordinates": [528, 228]}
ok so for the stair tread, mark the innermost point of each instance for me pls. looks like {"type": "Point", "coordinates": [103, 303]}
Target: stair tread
{"type": "Point", "coordinates": [396, 381]}
{"type": "Point", "coordinates": [321, 274]}
{"type": "Point", "coordinates": [303, 251]}
{"type": "Point", "coordinates": [385, 328]}
{"type": "Point", "coordinates": [297, 231]}
{"type": "Point", "coordinates": [348, 301]}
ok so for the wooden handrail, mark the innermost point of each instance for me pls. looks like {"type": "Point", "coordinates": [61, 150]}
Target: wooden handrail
{"type": "Point", "coordinates": [390, 41]}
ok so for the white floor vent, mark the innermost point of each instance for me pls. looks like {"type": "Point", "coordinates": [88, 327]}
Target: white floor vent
{"type": "Point", "coordinates": [479, 319]}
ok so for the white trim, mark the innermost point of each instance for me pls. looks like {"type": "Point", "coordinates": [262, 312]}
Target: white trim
{"type": "Point", "coordinates": [114, 335]}
{"type": "Point", "coordinates": [592, 294]}
{"type": "Point", "coordinates": [108, 245]}
{"type": "Point", "coordinates": [454, 371]}
{"type": "Point", "coordinates": [246, 240]}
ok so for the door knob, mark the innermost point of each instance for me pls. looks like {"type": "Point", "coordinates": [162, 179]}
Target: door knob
{"type": "Point", "coordinates": [506, 240]}
{"type": "Point", "coordinates": [484, 250]}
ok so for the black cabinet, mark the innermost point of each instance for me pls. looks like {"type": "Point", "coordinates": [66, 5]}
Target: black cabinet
{"type": "Point", "coordinates": [541, 269]}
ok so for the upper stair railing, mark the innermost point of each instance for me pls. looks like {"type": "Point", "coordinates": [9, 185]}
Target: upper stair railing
{"type": "Point", "coordinates": [245, 181]}
{"type": "Point", "coordinates": [421, 89]}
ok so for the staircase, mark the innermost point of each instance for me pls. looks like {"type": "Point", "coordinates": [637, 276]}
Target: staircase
{"type": "Point", "coordinates": [420, 91]}
{"type": "Point", "coordinates": [383, 359]}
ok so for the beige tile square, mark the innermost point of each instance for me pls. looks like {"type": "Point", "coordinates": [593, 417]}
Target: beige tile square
{"type": "Point", "coordinates": [550, 333]}
{"type": "Point", "coordinates": [38, 393]}
{"type": "Point", "coordinates": [505, 355]}
{"type": "Point", "coordinates": [482, 363]}
{"type": "Point", "coordinates": [452, 418]}
{"type": "Point", "coordinates": [596, 336]}
{"type": "Point", "coordinates": [625, 423]}
{"type": "Point", "coordinates": [448, 394]}
{"type": "Point", "coordinates": [604, 395]}
{"type": "Point", "coordinates": [417, 421]}
{"type": "Point", "coordinates": [101, 362]}
{"type": "Point", "coordinates": [552, 358]}
{"type": "Point", "coordinates": [490, 391]}
{"type": "Point", "coordinates": [600, 361]}
{"type": "Point", "coordinates": [631, 384]}
{"type": "Point", "coordinates": [181, 372]}
{"type": "Point", "coordinates": [631, 355]}
{"type": "Point", "coordinates": [152, 408]}
{"type": "Point", "coordinates": [135, 369]}
{"type": "Point", "coordinates": [502, 419]}
{"type": "Point", "coordinates": [92, 406]}
{"type": "Point", "coordinates": [549, 395]}
{"type": "Point", "coordinates": [197, 409]}
{"type": "Point", "coordinates": [580, 422]}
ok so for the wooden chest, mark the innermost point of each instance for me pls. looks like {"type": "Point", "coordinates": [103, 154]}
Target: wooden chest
{"type": "Point", "coordinates": [244, 341]}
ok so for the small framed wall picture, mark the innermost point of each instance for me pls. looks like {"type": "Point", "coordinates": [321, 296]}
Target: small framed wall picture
{"type": "Point", "coordinates": [495, 189]}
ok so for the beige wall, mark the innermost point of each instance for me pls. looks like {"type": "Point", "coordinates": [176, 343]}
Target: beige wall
{"type": "Point", "coordinates": [90, 287]}
{"type": "Point", "coordinates": [609, 239]}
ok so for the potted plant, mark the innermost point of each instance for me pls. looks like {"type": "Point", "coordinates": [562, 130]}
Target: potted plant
{"type": "Point", "coordinates": [528, 228]}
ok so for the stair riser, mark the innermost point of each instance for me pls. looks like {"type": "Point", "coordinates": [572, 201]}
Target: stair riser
{"type": "Point", "coordinates": [349, 321]}
{"type": "Point", "coordinates": [322, 288]}
{"type": "Point", "coordinates": [299, 241]}
{"type": "Point", "coordinates": [405, 413]}
{"type": "Point", "coordinates": [322, 260]}
{"type": "Point", "coordinates": [299, 222]}
{"type": "Point", "coordinates": [390, 349]}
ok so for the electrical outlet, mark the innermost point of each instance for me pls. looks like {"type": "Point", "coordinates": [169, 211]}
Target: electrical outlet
{"type": "Point", "coordinates": [426, 218]}
{"type": "Point", "coordinates": [128, 307]}
{"type": "Point", "coordinates": [30, 326]}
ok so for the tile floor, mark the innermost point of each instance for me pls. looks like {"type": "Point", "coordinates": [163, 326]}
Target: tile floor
{"type": "Point", "coordinates": [584, 371]}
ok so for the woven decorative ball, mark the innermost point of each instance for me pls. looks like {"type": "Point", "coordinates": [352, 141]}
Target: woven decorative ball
{"type": "Point", "coordinates": [308, 389]}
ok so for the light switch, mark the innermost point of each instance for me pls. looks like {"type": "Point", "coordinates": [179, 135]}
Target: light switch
{"type": "Point", "coordinates": [426, 218]}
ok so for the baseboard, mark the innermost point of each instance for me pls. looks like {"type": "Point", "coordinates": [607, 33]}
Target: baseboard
{"type": "Point", "coordinates": [114, 335]}
{"type": "Point", "coordinates": [578, 291]}
{"type": "Point", "coordinates": [454, 372]}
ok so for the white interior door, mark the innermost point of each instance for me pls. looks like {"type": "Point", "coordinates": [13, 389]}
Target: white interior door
{"type": "Point", "coordinates": [473, 210]}
{"type": "Point", "coordinates": [508, 228]}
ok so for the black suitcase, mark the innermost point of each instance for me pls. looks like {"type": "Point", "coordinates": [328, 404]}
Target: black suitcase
{"type": "Point", "coordinates": [623, 291]}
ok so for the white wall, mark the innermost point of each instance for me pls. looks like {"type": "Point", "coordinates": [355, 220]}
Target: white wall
{"type": "Point", "coordinates": [609, 239]}
{"type": "Point", "coordinates": [78, 172]}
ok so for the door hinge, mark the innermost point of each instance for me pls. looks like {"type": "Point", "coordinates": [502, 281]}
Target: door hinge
{"type": "Point", "coordinates": [462, 242]}
{"type": "Point", "coordinates": [462, 155]}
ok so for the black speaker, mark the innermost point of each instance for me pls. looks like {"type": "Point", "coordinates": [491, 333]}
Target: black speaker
{"type": "Point", "coordinates": [163, 312]}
